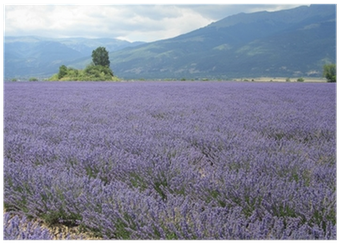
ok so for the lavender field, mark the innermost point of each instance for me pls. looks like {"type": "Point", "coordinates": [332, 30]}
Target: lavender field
{"type": "Point", "coordinates": [171, 160]}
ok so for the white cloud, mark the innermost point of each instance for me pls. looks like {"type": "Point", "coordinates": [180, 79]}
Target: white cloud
{"type": "Point", "coordinates": [129, 22]}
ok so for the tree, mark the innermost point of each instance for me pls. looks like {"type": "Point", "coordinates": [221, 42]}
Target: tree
{"type": "Point", "coordinates": [100, 57]}
{"type": "Point", "coordinates": [330, 72]}
{"type": "Point", "coordinates": [62, 71]}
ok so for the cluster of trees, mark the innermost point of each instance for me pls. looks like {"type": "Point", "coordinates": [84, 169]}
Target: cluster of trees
{"type": "Point", "coordinates": [98, 70]}
{"type": "Point", "coordinates": [90, 73]}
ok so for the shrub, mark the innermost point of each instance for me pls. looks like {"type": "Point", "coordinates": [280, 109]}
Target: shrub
{"type": "Point", "coordinates": [55, 77]}
{"type": "Point", "coordinates": [97, 73]}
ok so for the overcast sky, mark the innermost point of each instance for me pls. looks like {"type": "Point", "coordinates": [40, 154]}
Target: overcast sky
{"type": "Point", "coordinates": [128, 22]}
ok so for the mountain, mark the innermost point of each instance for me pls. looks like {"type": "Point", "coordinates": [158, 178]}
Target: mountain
{"type": "Point", "coordinates": [295, 42]}
{"type": "Point", "coordinates": [32, 56]}
{"type": "Point", "coordinates": [288, 43]}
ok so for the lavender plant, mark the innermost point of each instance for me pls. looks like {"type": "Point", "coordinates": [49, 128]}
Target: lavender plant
{"type": "Point", "coordinates": [19, 228]}
{"type": "Point", "coordinates": [174, 160]}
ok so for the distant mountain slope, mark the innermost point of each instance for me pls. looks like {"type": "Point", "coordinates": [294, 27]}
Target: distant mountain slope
{"type": "Point", "coordinates": [294, 42]}
{"type": "Point", "coordinates": [38, 56]}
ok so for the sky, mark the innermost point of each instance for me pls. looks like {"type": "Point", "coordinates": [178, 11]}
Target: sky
{"type": "Point", "coordinates": [128, 21]}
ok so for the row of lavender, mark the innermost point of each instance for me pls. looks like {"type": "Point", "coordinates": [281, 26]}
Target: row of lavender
{"type": "Point", "coordinates": [174, 160]}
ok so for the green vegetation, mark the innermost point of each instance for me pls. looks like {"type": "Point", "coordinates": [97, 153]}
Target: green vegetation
{"type": "Point", "coordinates": [100, 57]}
{"type": "Point", "coordinates": [300, 80]}
{"type": "Point", "coordinates": [62, 72]}
{"type": "Point", "coordinates": [330, 72]}
{"type": "Point", "coordinates": [98, 70]}
{"type": "Point", "coordinates": [33, 79]}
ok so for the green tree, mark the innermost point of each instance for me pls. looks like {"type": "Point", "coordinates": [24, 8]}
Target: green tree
{"type": "Point", "coordinates": [100, 57]}
{"type": "Point", "coordinates": [330, 72]}
{"type": "Point", "coordinates": [62, 72]}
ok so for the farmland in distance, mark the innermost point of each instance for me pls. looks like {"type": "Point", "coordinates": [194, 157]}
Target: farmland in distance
{"type": "Point", "coordinates": [172, 160]}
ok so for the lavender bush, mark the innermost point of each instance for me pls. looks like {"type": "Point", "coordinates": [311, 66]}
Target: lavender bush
{"type": "Point", "coordinates": [19, 228]}
{"type": "Point", "coordinates": [174, 160]}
